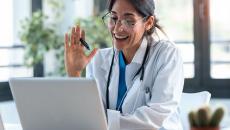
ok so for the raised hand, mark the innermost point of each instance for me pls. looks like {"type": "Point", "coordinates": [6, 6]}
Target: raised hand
{"type": "Point", "coordinates": [75, 57]}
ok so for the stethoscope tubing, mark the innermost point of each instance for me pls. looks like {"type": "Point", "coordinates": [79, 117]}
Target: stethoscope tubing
{"type": "Point", "coordinates": [141, 69]}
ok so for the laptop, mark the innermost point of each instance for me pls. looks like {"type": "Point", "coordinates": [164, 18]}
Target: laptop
{"type": "Point", "coordinates": [58, 104]}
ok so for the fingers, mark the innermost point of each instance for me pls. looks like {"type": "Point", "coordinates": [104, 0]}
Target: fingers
{"type": "Point", "coordinates": [82, 37]}
{"type": "Point", "coordinates": [66, 41]}
{"type": "Point", "coordinates": [83, 34]}
{"type": "Point", "coordinates": [76, 34]}
{"type": "Point", "coordinates": [73, 40]}
{"type": "Point", "coordinates": [92, 54]}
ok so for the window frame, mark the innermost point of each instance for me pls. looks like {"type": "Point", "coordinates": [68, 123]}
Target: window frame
{"type": "Point", "coordinates": [219, 88]}
{"type": "Point", "coordinates": [5, 93]}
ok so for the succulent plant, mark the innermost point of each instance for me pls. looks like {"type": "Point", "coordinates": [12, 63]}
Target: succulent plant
{"type": "Point", "coordinates": [216, 117]}
{"type": "Point", "coordinates": [203, 117]}
{"type": "Point", "coordinates": [192, 118]}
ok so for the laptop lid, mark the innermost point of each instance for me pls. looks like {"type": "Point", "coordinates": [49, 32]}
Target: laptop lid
{"type": "Point", "coordinates": [58, 104]}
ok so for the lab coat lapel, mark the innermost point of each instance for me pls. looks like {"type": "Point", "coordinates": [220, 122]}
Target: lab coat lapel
{"type": "Point", "coordinates": [105, 65]}
{"type": "Point", "coordinates": [132, 95]}
{"type": "Point", "coordinates": [132, 68]}
{"type": "Point", "coordinates": [113, 86]}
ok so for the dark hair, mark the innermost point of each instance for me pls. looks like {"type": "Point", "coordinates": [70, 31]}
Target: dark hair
{"type": "Point", "coordinates": [146, 8]}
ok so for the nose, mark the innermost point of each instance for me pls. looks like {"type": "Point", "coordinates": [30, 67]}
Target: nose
{"type": "Point", "coordinates": [118, 27]}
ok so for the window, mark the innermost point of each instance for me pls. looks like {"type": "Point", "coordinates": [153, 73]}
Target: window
{"type": "Point", "coordinates": [11, 50]}
{"type": "Point", "coordinates": [179, 14]}
{"type": "Point", "coordinates": [220, 39]}
{"type": "Point", "coordinates": [200, 30]}
{"type": "Point", "coordinates": [7, 22]}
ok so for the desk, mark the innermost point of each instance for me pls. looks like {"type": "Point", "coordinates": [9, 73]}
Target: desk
{"type": "Point", "coordinates": [12, 127]}
{"type": "Point", "coordinates": [10, 116]}
{"type": "Point", "coordinates": [11, 120]}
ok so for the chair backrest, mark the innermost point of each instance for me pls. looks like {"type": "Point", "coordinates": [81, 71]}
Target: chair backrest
{"type": "Point", "coordinates": [190, 101]}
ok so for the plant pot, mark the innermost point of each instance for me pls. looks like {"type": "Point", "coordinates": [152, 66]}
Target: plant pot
{"type": "Point", "coordinates": [205, 128]}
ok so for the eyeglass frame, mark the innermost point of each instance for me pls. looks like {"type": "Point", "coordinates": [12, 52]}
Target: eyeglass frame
{"type": "Point", "coordinates": [122, 23]}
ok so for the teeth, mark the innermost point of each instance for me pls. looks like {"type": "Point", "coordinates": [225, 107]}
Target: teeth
{"type": "Point", "coordinates": [120, 37]}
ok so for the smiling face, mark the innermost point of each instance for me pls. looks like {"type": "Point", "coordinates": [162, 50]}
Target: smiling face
{"type": "Point", "coordinates": [126, 38]}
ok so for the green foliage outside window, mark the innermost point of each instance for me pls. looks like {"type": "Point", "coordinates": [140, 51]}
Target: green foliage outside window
{"type": "Point", "coordinates": [38, 38]}
{"type": "Point", "coordinates": [40, 35]}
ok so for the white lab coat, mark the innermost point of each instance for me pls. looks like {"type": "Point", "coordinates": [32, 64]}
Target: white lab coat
{"type": "Point", "coordinates": [142, 109]}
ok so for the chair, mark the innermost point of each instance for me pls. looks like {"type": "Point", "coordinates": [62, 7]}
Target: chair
{"type": "Point", "coordinates": [190, 101]}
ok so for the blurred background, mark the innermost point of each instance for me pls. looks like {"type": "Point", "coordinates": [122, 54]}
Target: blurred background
{"type": "Point", "coordinates": [32, 32]}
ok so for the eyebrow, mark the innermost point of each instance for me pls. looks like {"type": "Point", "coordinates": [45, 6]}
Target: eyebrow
{"type": "Point", "coordinates": [126, 14]}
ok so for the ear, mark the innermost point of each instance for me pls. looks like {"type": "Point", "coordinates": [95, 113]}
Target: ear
{"type": "Point", "coordinates": [149, 23]}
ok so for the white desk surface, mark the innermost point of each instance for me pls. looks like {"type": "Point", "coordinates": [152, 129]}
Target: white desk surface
{"type": "Point", "coordinates": [11, 120]}
{"type": "Point", "coordinates": [10, 116]}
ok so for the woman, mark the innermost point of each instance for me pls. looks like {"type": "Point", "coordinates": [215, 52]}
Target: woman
{"type": "Point", "coordinates": [140, 78]}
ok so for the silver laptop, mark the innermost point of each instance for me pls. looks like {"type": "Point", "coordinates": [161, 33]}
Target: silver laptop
{"type": "Point", "coordinates": [58, 104]}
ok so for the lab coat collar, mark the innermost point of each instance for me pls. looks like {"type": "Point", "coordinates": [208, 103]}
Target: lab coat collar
{"type": "Point", "coordinates": [107, 59]}
{"type": "Point", "coordinates": [139, 55]}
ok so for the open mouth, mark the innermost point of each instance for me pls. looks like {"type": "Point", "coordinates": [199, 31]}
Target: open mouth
{"type": "Point", "coordinates": [120, 37]}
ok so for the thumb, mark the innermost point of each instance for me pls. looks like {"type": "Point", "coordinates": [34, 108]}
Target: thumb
{"type": "Point", "coordinates": [92, 54]}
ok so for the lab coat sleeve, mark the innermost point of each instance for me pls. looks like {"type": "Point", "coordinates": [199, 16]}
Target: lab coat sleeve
{"type": "Point", "coordinates": [93, 71]}
{"type": "Point", "coordinates": [89, 70]}
{"type": "Point", "coordinates": [166, 93]}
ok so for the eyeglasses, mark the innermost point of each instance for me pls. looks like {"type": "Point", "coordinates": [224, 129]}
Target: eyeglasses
{"type": "Point", "coordinates": [110, 21]}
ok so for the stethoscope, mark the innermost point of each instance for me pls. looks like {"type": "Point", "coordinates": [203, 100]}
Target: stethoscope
{"type": "Point", "coordinates": [140, 70]}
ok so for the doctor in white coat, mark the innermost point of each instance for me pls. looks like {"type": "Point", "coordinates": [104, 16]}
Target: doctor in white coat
{"type": "Point", "coordinates": [140, 78]}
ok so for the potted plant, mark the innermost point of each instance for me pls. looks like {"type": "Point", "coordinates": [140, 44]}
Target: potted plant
{"type": "Point", "coordinates": [37, 37]}
{"type": "Point", "coordinates": [204, 119]}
